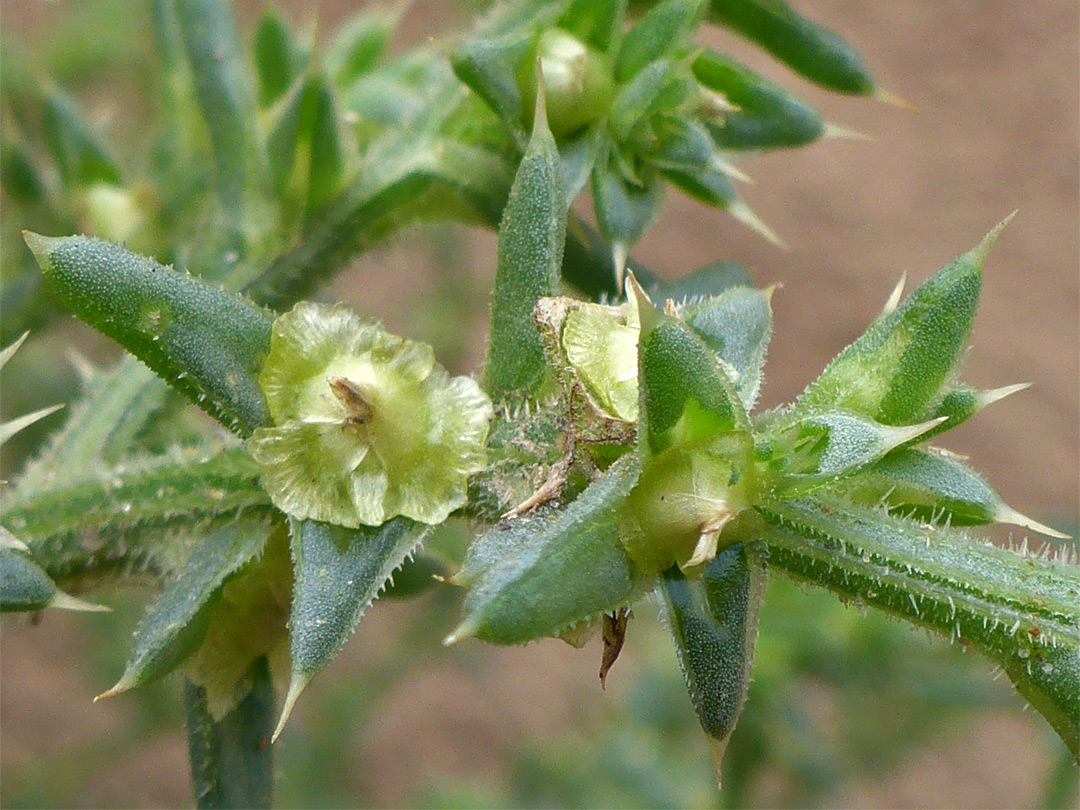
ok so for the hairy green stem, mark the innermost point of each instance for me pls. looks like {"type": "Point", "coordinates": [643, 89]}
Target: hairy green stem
{"type": "Point", "coordinates": [1022, 610]}
{"type": "Point", "coordinates": [122, 519]}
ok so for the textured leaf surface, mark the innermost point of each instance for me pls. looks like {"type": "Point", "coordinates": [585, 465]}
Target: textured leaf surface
{"type": "Point", "coordinates": [206, 343]}
{"type": "Point", "coordinates": [536, 576]}
{"type": "Point", "coordinates": [339, 572]}
{"type": "Point", "coordinates": [736, 325]}
{"type": "Point", "coordinates": [684, 392]}
{"type": "Point", "coordinates": [713, 621]}
{"type": "Point", "coordinates": [531, 239]}
{"type": "Point", "coordinates": [893, 371]}
{"type": "Point", "coordinates": [176, 622]}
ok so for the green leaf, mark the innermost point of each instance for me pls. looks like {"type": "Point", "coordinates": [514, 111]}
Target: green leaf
{"type": "Point", "coordinates": [736, 324]}
{"type": "Point", "coordinates": [232, 763]}
{"type": "Point", "coordinates": [339, 572]}
{"type": "Point", "coordinates": [175, 624]}
{"type": "Point", "coordinates": [542, 574]}
{"type": "Point", "coordinates": [624, 209]}
{"type": "Point", "coordinates": [658, 32]}
{"type": "Point", "coordinates": [807, 48]}
{"type": "Point", "coordinates": [80, 157]}
{"type": "Point", "coordinates": [278, 60]}
{"type": "Point", "coordinates": [660, 86]}
{"type": "Point", "coordinates": [589, 263]}
{"type": "Point", "coordinates": [713, 621]}
{"type": "Point", "coordinates": [811, 450]}
{"type": "Point", "coordinates": [597, 23]}
{"type": "Point", "coordinates": [19, 177]}
{"type": "Point", "coordinates": [101, 427]}
{"type": "Point", "coordinates": [403, 180]}
{"type": "Point", "coordinates": [1021, 610]}
{"type": "Point", "coordinates": [935, 486]}
{"type": "Point", "coordinates": [25, 587]}
{"type": "Point", "coordinates": [326, 165]}
{"type": "Point", "coordinates": [684, 392]}
{"type": "Point", "coordinates": [360, 42]}
{"type": "Point", "coordinates": [531, 239]}
{"type": "Point", "coordinates": [897, 367]}
{"type": "Point", "coordinates": [222, 87]}
{"type": "Point", "coordinates": [711, 280]}
{"type": "Point", "coordinates": [961, 402]}
{"type": "Point", "coordinates": [768, 117]}
{"type": "Point", "coordinates": [206, 343]}
{"type": "Point", "coordinates": [290, 124]}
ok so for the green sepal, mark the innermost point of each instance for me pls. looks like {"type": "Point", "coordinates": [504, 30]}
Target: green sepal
{"type": "Point", "coordinates": [811, 450]}
{"type": "Point", "coordinates": [360, 42]}
{"type": "Point", "coordinates": [684, 498]}
{"type": "Point", "coordinates": [175, 624]}
{"type": "Point", "coordinates": [768, 117]}
{"type": "Point", "coordinates": [339, 573]}
{"type": "Point", "coordinates": [897, 367]}
{"type": "Point", "coordinates": [658, 32]}
{"type": "Point", "coordinates": [80, 157]}
{"type": "Point", "coordinates": [713, 621]}
{"type": "Point", "coordinates": [232, 762]}
{"type": "Point", "coordinates": [736, 325]}
{"type": "Point", "coordinates": [206, 343]}
{"type": "Point", "coordinates": [934, 486]}
{"type": "Point", "coordinates": [541, 574]}
{"type": "Point", "coordinates": [685, 394]}
{"type": "Point", "coordinates": [624, 209]}
{"type": "Point", "coordinates": [25, 587]}
{"type": "Point", "coordinates": [531, 238]}
{"type": "Point", "coordinates": [597, 23]}
{"type": "Point", "coordinates": [807, 48]}
{"type": "Point", "coordinates": [278, 59]}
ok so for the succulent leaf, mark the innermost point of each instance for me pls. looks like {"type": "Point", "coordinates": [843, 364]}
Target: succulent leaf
{"type": "Point", "coordinates": [176, 623]}
{"type": "Point", "coordinates": [531, 239]}
{"type": "Point", "coordinates": [935, 486]}
{"type": "Point", "coordinates": [339, 573]}
{"type": "Point", "coordinates": [713, 622]}
{"type": "Point", "coordinates": [896, 368]}
{"type": "Point", "coordinates": [206, 343]}
{"type": "Point", "coordinates": [538, 575]}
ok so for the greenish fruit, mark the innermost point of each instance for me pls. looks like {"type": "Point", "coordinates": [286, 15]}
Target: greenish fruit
{"type": "Point", "coordinates": [579, 83]}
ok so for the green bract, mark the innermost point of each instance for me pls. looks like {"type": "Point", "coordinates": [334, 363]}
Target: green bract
{"type": "Point", "coordinates": [367, 425]}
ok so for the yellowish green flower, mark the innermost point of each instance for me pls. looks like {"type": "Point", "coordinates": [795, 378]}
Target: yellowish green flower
{"type": "Point", "coordinates": [367, 426]}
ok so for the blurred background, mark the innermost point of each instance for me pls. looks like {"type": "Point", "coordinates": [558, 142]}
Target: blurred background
{"type": "Point", "coordinates": [846, 710]}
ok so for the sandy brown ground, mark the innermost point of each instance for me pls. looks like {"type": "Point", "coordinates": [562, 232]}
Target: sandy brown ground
{"type": "Point", "coordinates": [996, 91]}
